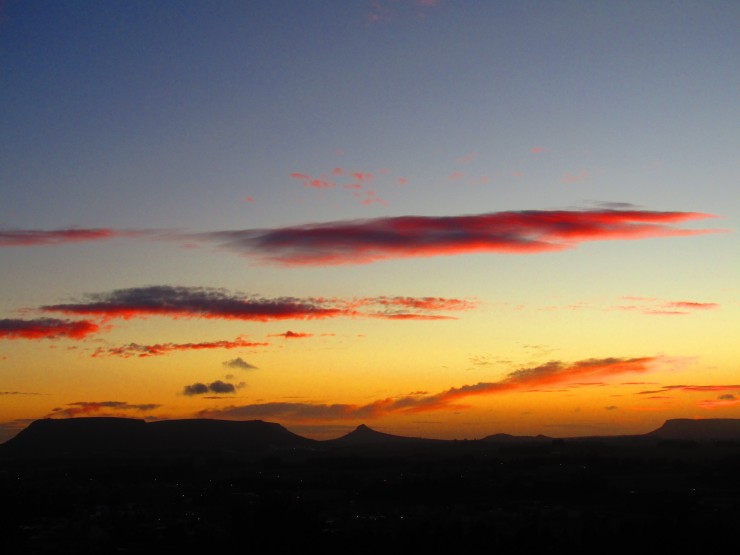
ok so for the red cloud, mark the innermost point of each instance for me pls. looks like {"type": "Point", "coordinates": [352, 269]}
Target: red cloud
{"type": "Point", "coordinates": [203, 302]}
{"type": "Point", "coordinates": [36, 237]}
{"type": "Point", "coordinates": [134, 349]}
{"type": "Point", "coordinates": [525, 379]}
{"type": "Point", "coordinates": [365, 241]}
{"type": "Point", "coordinates": [46, 328]}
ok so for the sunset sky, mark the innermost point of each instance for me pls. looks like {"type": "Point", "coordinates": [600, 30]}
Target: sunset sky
{"type": "Point", "coordinates": [440, 218]}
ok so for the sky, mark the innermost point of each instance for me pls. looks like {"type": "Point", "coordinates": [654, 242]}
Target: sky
{"type": "Point", "coordinates": [443, 219]}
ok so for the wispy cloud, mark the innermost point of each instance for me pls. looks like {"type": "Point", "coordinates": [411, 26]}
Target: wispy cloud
{"type": "Point", "coordinates": [40, 237]}
{"type": "Point", "coordinates": [572, 178]}
{"type": "Point", "coordinates": [691, 388]}
{"type": "Point", "coordinates": [93, 407]}
{"type": "Point", "coordinates": [523, 232]}
{"type": "Point", "coordinates": [46, 328]}
{"type": "Point", "coordinates": [544, 375]}
{"type": "Point", "coordinates": [204, 302]}
{"type": "Point", "coordinates": [19, 393]}
{"type": "Point", "coordinates": [157, 349]}
{"type": "Point", "coordinates": [660, 307]}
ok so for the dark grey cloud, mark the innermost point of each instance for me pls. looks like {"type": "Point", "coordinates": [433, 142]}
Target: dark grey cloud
{"type": "Point", "coordinates": [239, 363]}
{"type": "Point", "coordinates": [218, 387]}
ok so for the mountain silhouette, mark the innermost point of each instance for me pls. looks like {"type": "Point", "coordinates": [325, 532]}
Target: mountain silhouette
{"type": "Point", "coordinates": [364, 435]}
{"type": "Point", "coordinates": [81, 437]}
{"type": "Point", "coordinates": [710, 429]}
{"type": "Point", "coordinates": [62, 437]}
{"type": "Point", "coordinates": [107, 436]}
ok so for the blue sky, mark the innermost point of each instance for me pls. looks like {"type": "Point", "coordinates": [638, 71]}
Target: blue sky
{"type": "Point", "coordinates": [209, 116]}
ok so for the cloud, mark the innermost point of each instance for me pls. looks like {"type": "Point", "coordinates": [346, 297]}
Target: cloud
{"type": "Point", "coordinates": [691, 388]}
{"type": "Point", "coordinates": [572, 178]}
{"type": "Point", "coordinates": [611, 407]}
{"type": "Point", "coordinates": [135, 349]}
{"type": "Point", "coordinates": [523, 232]}
{"type": "Point", "coordinates": [239, 363]}
{"type": "Point", "coordinates": [19, 393]}
{"type": "Point", "coordinates": [205, 302]}
{"type": "Point", "coordinates": [217, 387]}
{"type": "Point", "coordinates": [91, 407]}
{"type": "Point", "coordinates": [658, 307]}
{"type": "Point", "coordinates": [46, 328]}
{"type": "Point", "coordinates": [39, 237]}
{"type": "Point", "coordinates": [549, 374]}
{"type": "Point", "coordinates": [466, 158]}
{"type": "Point", "coordinates": [720, 403]}
{"type": "Point", "coordinates": [292, 335]}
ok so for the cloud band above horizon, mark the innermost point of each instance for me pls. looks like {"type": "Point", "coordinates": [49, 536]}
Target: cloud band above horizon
{"type": "Point", "coordinates": [519, 232]}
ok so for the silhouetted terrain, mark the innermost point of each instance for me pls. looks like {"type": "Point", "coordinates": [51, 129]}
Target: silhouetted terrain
{"type": "Point", "coordinates": [81, 486]}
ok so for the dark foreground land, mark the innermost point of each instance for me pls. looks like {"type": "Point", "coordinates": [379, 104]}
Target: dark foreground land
{"type": "Point", "coordinates": [368, 493]}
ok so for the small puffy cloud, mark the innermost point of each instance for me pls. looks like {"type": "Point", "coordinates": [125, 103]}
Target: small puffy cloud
{"type": "Point", "coordinates": [292, 335]}
{"type": "Point", "coordinates": [217, 387]}
{"type": "Point", "coordinates": [239, 363]}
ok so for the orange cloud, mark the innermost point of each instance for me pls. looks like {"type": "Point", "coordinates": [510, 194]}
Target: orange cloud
{"type": "Point", "coordinates": [158, 349]}
{"type": "Point", "coordinates": [545, 375]}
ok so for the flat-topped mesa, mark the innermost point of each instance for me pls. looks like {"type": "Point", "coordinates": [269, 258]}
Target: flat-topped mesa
{"type": "Point", "coordinates": [710, 429]}
{"type": "Point", "coordinates": [73, 437]}
{"type": "Point", "coordinates": [61, 437]}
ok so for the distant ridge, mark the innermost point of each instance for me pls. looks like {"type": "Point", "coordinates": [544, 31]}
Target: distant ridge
{"type": "Point", "coordinates": [509, 439]}
{"type": "Point", "coordinates": [73, 437]}
{"type": "Point", "coordinates": [710, 429]}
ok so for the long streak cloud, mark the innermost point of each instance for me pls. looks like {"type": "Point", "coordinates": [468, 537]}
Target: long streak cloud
{"type": "Point", "coordinates": [521, 232]}
{"type": "Point", "coordinates": [158, 349]}
{"type": "Point", "coordinates": [545, 375]}
{"type": "Point", "coordinates": [205, 302]}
